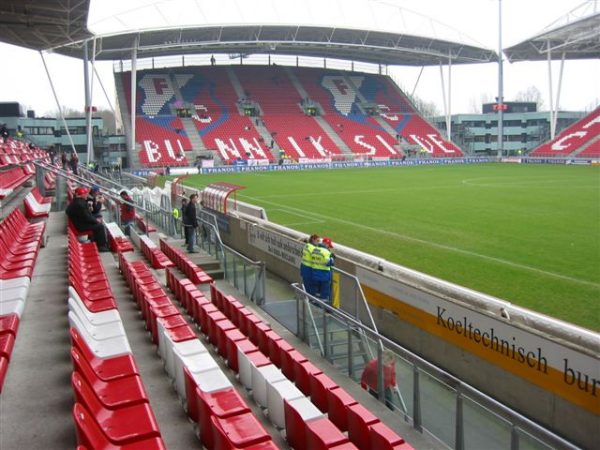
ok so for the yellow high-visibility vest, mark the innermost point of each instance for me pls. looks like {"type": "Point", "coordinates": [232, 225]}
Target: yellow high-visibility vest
{"type": "Point", "coordinates": [320, 258]}
{"type": "Point", "coordinates": [307, 255]}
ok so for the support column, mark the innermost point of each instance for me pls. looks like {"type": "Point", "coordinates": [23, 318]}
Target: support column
{"type": "Point", "coordinates": [550, 90]}
{"type": "Point", "coordinates": [88, 101]}
{"type": "Point", "coordinates": [132, 106]}
{"type": "Point", "coordinates": [500, 101]}
{"type": "Point", "coordinates": [449, 116]}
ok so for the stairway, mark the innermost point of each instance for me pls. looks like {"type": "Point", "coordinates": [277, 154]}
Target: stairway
{"type": "Point", "coordinates": [334, 136]}
{"type": "Point", "coordinates": [584, 147]}
{"type": "Point", "coordinates": [296, 83]}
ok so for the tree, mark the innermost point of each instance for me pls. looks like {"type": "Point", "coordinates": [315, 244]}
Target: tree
{"type": "Point", "coordinates": [427, 109]}
{"type": "Point", "coordinates": [531, 94]}
{"type": "Point", "coordinates": [475, 104]}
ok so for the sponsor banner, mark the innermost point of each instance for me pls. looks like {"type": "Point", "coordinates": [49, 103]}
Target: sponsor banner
{"type": "Point", "coordinates": [313, 160]}
{"type": "Point", "coordinates": [543, 161]}
{"type": "Point", "coordinates": [565, 372]}
{"type": "Point", "coordinates": [583, 162]}
{"type": "Point", "coordinates": [278, 246]}
{"type": "Point", "coordinates": [344, 165]}
{"type": "Point", "coordinates": [511, 159]}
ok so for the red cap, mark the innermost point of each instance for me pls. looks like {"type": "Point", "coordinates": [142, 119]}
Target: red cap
{"type": "Point", "coordinates": [328, 242]}
{"type": "Point", "coordinates": [81, 191]}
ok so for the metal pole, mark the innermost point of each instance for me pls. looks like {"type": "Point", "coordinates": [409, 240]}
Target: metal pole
{"type": "Point", "coordinates": [500, 85]}
{"type": "Point", "coordinates": [60, 112]}
{"type": "Point", "coordinates": [444, 92]}
{"type": "Point", "coordinates": [459, 438]}
{"type": "Point", "coordinates": [416, 400]}
{"type": "Point", "coordinates": [88, 101]}
{"type": "Point", "coordinates": [132, 109]}
{"type": "Point", "coordinates": [449, 116]}
{"type": "Point", "coordinates": [550, 89]}
{"type": "Point", "coordinates": [558, 89]}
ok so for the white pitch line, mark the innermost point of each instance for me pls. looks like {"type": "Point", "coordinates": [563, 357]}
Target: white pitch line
{"type": "Point", "coordinates": [437, 245]}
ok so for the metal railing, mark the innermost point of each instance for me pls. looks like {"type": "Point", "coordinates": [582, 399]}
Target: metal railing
{"type": "Point", "coordinates": [243, 273]}
{"type": "Point", "coordinates": [437, 403]}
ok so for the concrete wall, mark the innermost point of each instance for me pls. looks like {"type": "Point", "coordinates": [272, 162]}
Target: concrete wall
{"type": "Point", "coordinates": [559, 407]}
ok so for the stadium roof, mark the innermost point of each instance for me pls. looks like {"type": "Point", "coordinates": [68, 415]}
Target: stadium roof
{"type": "Point", "coordinates": [382, 34]}
{"type": "Point", "coordinates": [43, 24]}
{"type": "Point", "coordinates": [577, 35]}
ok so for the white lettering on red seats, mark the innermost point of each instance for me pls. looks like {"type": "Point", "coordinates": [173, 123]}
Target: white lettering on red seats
{"type": "Point", "coordinates": [592, 122]}
{"type": "Point", "coordinates": [391, 149]}
{"type": "Point", "coordinates": [427, 143]}
{"type": "Point", "coordinates": [343, 95]}
{"type": "Point", "coordinates": [316, 143]}
{"type": "Point", "coordinates": [248, 147]}
{"type": "Point", "coordinates": [292, 141]}
{"type": "Point", "coordinates": [158, 91]}
{"type": "Point", "coordinates": [358, 139]}
{"type": "Point", "coordinates": [202, 117]}
{"type": "Point", "coordinates": [557, 146]}
{"type": "Point", "coordinates": [384, 111]}
{"type": "Point", "coordinates": [151, 149]}
{"type": "Point", "coordinates": [227, 150]}
{"type": "Point", "coordinates": [180, 155]}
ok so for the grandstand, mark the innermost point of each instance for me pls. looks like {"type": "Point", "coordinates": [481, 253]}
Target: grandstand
{"type": "Point", "coordinates": [240, 111]}
{"type": "Point", "coordinates": [147, 346]}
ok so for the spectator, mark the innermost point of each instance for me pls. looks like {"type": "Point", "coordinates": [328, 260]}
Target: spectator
{"type": "Point", "coordinates": [322, 261]}
{"type": "Point", "coordinates": [74, 163]}
{"type": "Point", "coordinates": [306, 265]}
{"type": "Point", "coordinates": [369, 378]}
{"type": "Point", "coordinates": [212, 60]}
{"type": "Point", "coordinates": [95, 201]}
{"type": "Point", "coordinates": [63, 160]}
{"type": "Point", "coordinates": [190, 223]}
{"type": "Point", "coordinates": [80, 216]}
{"type": "Point", "coordinates": [4, 132]}
{"type": "Point", "coordinates": [127, 212]}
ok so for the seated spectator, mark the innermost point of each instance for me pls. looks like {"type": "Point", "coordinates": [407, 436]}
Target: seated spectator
{"type": "Point", "coordinates": [95, 201]}
{"type": "Point", "coordinates": [82, 219]}
{"type": "Point", "coordinates": [127, 212]}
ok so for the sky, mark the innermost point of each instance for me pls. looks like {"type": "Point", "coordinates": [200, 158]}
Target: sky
{"type": "Point", "coordinates": [477, 19]}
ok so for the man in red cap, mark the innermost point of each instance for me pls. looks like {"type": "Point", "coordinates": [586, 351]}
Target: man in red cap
{"type": "Point", "coordinates": [80, 216]}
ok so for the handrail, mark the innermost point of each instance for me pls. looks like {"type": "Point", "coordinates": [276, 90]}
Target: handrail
{"type": "Point", "coordinates": [258, 264]}
{"type": "Point", "coordinates": [463, 389]}
{"type": "Point", "coordinates": [362, 294]}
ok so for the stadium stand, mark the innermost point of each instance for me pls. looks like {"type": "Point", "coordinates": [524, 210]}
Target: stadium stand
{"type": "Point", "coordinates": [339, 100]}
{"type": "Point", "coordinates": [299, 135]}
{"type": "Point", "coordinates": [159, 132]}
{"type": "Point", "coordinates": [218, 112]}
{"type": "Point", "coordinates": [580, 139]}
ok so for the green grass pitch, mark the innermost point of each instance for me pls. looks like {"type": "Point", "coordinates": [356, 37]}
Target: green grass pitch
{"type": "Point", "coordinates": [529, 234]}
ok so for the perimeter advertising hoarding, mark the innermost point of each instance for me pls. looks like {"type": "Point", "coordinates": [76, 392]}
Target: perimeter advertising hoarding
{"type": "Point", "coordinates": [566, 372]}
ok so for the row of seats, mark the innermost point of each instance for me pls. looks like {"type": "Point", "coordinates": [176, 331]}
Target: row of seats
{"type": "Point", "coordinates": [270, 387]}
{"type": "Point", "coordinates": [185, 264]}
{"type": "Point", "coordinates": [151, 251]}
{"type": "Point", "coordinates": [304, 425]}
{"type": "Point", "coordinates": [117, 241]}
{"type": "Point", "coordinates": [143, 224]}
{"type": "Point", "coordinates": [12, 179]}
{"type": "Point", "coordinates": [244, 341]}
{"type": "Point", "coordinates": [20, 243]}
{"type": "Point", "coordinates": [36, 205]}
{"type": "Point", "coordinates": [573, 138]}
{"type": "Point", "coordinates": [224, 419]}
{"type": "Point", "coordinates": [112, 409]}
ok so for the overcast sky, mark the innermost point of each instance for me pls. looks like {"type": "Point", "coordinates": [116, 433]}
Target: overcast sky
{"type": "Point", "coordinates": [27, 83]}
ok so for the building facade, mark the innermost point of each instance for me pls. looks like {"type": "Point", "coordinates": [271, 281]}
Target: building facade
{"type": "Point", "coordinates": [525, 128]}
{"type": "Point", "coordinates": [47, 132]}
